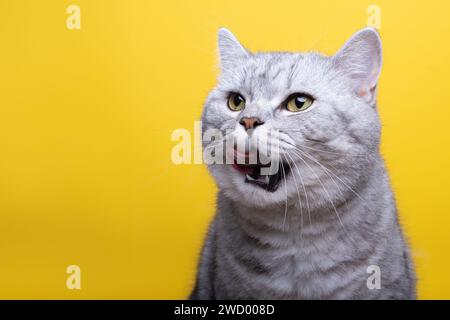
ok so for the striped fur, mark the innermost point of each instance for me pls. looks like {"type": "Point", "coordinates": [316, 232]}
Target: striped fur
{"type": "Point", "coordinates": [334, 215]}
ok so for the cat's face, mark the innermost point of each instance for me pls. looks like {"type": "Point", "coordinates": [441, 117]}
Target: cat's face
{"type": "Point", "coordinates": [315, 114]}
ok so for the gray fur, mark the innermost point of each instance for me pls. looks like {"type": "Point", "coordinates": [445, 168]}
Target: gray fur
{"type": "Point", "coordinates": [335, 214]}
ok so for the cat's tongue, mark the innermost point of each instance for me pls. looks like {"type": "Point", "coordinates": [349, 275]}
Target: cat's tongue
{"type": "Point", "coordinates": [245, 169]}
{"type": "Point", "coordinates": [243, 162]}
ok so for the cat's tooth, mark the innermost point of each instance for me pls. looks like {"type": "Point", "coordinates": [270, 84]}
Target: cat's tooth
{"type": "Point", "coordinates": [267, 179]}
{"type": "Point", "coordinates": [249, 177]}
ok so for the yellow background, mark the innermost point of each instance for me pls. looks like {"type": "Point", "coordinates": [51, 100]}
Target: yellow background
{"type": "Point", "coordinates": [86, 117]}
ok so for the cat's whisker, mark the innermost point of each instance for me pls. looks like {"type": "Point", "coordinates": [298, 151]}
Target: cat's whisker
{"type": "Point", "coordinates": [312, 142]}
{"type": "Point", "coordinates": [328, 175]}
{"type": "Point", "coordinates": [298, 192]}
{"type": "Point", "coordinates": [274, 142]}
{"type": "Point", "coordinates": [299, 149]}
{"type": "Point", "coordinates": [285, 190]}
{"type": "Point", "coordinates": [325, 151]}
{"type": "Point", "coordinates": [329, 172]}
{"type": "Point", "coordinates": [337, 177]}
{"type": "Point", "coordinates": [335, 153]}
{"type": "Point", "coordinates": [304, 188]}
{"type": "Point", "coordinates": [329, 199]}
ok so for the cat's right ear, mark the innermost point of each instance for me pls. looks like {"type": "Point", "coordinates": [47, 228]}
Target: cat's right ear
{"type": "Point", "coordinates": [230, 49]}
{"type": "Point", "coordinates": [360, 59]}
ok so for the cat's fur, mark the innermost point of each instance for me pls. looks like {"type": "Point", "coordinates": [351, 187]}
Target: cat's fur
{"type": "Point", "coordinates": [335, 214]}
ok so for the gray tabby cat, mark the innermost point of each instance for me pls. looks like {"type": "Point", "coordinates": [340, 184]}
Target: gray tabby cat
{"type": "Point", "coordinates": [326, 220]}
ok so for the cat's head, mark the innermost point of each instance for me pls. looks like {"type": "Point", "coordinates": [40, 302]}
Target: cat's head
{"type": "Point", "coordinates": [315, 114]}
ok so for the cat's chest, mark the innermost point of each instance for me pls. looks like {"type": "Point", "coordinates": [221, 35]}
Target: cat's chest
{"type": "Point", "coordinates": [291, 264]}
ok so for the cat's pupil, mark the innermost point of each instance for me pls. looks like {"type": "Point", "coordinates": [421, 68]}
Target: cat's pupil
{"type": "Point", "coordinates": [238, 100]}
{"type": "Point", "coordinates": [300, 101]}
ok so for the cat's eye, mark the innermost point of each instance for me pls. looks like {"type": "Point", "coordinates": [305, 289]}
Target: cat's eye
{"type": "Point", "coordinates": [299, 102]}
{"type": "Point", "coordinates": [236, 102]}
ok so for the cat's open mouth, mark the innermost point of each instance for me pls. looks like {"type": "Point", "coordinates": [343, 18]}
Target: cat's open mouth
{"type": "Point", "coordinates": [262, 175]}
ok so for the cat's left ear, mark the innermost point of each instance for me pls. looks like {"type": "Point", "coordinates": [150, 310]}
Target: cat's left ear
{"type": "Point", "coordinates": [231, 50]}
{"type": "Point", "coordinates": [360, 58]}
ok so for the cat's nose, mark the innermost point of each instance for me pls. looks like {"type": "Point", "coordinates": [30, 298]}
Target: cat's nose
{"type": "Point", "coordinates": [250, 122]}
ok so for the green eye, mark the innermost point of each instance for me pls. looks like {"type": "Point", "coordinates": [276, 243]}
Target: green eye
{"type": "Point", "coordinates": [236, 102]}
{"type": "Point", "coordinates": [299, 102]}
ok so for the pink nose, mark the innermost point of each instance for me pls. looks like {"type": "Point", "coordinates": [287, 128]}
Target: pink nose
{"type": "Point", "coordinates": [250, 123]}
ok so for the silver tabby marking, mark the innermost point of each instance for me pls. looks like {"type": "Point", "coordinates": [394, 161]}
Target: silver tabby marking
{"type": "Point", "coordinates": [333, 214]}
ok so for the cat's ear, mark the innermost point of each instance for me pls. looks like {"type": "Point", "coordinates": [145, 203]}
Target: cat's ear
{"type": "Point", "coordinates": [360, 58]}
{"type": "Point", "coordinates": [230, 50]}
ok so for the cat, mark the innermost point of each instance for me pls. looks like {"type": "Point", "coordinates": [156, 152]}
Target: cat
{"type": "Point", "coordinates": [326, 225]}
